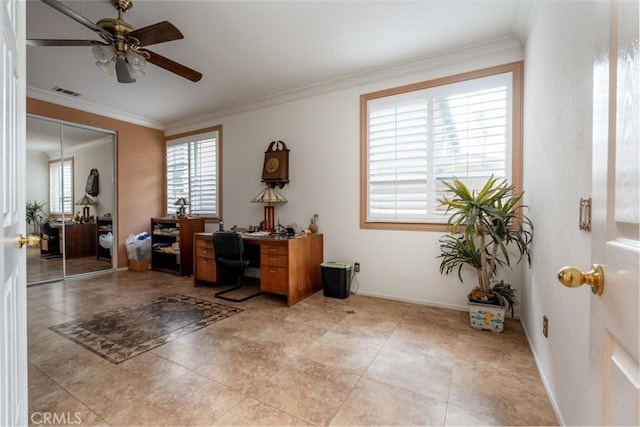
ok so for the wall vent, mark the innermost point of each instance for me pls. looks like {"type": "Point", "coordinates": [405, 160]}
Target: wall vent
{"type": "Point", "coordinates": [65, 91]}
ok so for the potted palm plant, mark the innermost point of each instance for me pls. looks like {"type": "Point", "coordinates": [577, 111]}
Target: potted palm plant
{"type": "Point", "coordinates": [488, 230]}
{"type": "Point", "coordinates": [35, 213]}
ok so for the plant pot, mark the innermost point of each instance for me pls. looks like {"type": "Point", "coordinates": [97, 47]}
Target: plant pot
{"type": "Point", "coordinates": [486, 316]}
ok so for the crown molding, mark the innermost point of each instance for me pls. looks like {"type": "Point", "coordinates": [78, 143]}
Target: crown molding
{"type": "Point", "coordinates": [521, 27]}
{"type": "Point", "coordinates": [89, 107]}
{"type": "Point", "coordinates": [506, 46]}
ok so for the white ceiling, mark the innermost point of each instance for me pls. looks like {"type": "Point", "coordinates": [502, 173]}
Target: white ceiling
{"type": "Point", "coordinates": [251, 50]}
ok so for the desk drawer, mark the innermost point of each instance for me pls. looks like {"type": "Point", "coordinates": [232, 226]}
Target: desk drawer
{"type": "Point", "coordinates": [274, 260]}
{"type": "Point", "coordinates": [205, 269]}
{"type": "Point", "coordinates": [273, 250]}
{"type": "Point", "coordinates": [206, 252]}
{"type": "Point", "coordinates": [274, 280]}
{"type": "Point", "coordinates": [204, 243]}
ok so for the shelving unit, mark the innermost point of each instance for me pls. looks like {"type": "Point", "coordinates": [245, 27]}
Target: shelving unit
{"type": "Point", "coordinates": [172, 244]}
{"type": "Point", "coordinates": [104, 225]}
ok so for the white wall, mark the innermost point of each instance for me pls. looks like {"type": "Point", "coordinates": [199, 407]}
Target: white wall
{"type": "Point", "coordinates": [99, 155]}
{"type": "Point", "coordinates": [322, 132]}
{"type": "Point", "coordinates": [37, 180]}
{"type": "Point", "coordinates": [557, 162]}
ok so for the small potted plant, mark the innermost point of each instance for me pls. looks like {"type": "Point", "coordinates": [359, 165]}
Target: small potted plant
{"type": "Point", "coordinates": [488, 230]}
{"type": "Point", "coordinates": [35, 214]}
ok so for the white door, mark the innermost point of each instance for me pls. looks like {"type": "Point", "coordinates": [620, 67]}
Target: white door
{"type": "Point", "coordinates": [615, 316]}
{"type": "Point", "coordinates": [13, 322]}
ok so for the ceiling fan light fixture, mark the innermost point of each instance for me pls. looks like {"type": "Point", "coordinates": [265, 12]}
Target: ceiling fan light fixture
{"type": "Point", "coordinates": [135, 74]}
{"type": "Point", "coordinates": [123, 47]}
{"type": "Point", "coordinates": [103, 53]}
{"type": "Point", "coordinates": [107, 67]}
{"type": "Point", "coordinates": [136, 61]}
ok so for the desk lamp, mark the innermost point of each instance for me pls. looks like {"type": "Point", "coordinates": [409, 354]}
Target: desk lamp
{"type": "Point", "coordinates": [269, 195]}
{"type": "Point", "coordinates": [86, 201]}
{"type": "Point", "coordinates": [181, 202]}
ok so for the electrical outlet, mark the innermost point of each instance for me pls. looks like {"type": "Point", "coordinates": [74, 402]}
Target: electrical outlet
{"type": "Point", "coordinates": [356, 267]}
{"type": "Point", "coordinates": [545, 326]}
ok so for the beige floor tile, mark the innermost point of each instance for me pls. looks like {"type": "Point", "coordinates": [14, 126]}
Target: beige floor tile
{"type": "Point", "coordinates": [66, 370]}
{"type": "Point", "coordinates": [194, 400]}
{"type": "Point", "coordinates": [354, 361]}
{"type": "Point", "coordinates": [244, 366]}
{"type": "Point", "coordinates": [61, 408]}
{"type": "Point", "coordinates": [308, 390]}
{"type": "Point", "coordinates": [40, 384]}
{"type": "Point", "coordinates": [251, 412]}
{"type": "Point", "coordinates": [415, 372]}
{"type": "Point", "coordinates": [461, 417]}
{"type": "Point", "coordinates": [348, 351]}
{"type": "Point", "coordinates": [375, 404]}
{"type": "Point", "coordinates": [287, 336]}
{"type": "Point", "coordinates": [50, 346]}
{"type": "Point", "coordinates": [488, 351]}
{"type": "Point", "coordinates": [421, 337]}
{"type": "Point", "coordinates": [517, 398]}
{"type": "Point", "coordinates": [441, 317]}
{"type": "Point", "coordinates": [379, 325]}
{"type": "Point", "coordinates": [317, 316]}
{"type": "Point", "coordinates": [248, 323]}
{"type": "Point", "coordinates": [140, 413]}
{"type": "Point", "coordinates": [195, 349]}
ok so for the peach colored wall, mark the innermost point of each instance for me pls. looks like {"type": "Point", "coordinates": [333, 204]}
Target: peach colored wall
{"type": "Point", "coordinates": [139, 168]}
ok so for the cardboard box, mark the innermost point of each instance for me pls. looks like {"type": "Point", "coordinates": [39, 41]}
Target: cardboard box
{"type": "Point", "coordinates": [139, 265]}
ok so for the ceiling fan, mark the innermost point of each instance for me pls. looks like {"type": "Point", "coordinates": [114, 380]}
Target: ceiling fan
{"type": "Point", "coordinates": [122, 47]}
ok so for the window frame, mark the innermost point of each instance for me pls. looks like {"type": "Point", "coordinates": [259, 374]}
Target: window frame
{"type": "Point", "coordinates": [62, 162]}
{"type": "Point", "coordinates": [515, 68]}
{"type": "Point", "coordinates": [195, 134]}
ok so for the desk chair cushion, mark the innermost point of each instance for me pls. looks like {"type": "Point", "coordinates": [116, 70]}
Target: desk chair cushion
{"type": "Point", "coordinates": [229, 253]}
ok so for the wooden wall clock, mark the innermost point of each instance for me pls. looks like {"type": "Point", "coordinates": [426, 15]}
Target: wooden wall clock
{"type": "Point", "coordinates": [276, 165]}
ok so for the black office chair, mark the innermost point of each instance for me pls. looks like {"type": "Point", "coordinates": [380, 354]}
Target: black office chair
{"type": "Point", "coordinates": [229, 253]}
{"type": "Point", "coordinates": [51, 236]}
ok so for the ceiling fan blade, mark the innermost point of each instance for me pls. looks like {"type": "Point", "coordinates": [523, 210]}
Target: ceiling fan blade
{"type": "Point", "coordinates": [157, 33]}
{"type": "Point", "coordinates": [78, 18]}
{"type": "Point", "coordinates": [122, 72]}
{"type": "Point", "coordinates": [174, 67]}
{"type": "Point", "coordinates": [62, 42]}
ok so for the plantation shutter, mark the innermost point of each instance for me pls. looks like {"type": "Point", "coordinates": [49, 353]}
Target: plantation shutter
{"type": "Point", "coordinates": [418, 139]}
{"type": "Point", "coordinates": [398, 169]}
{"type": "Point", "coordinates": [61, 187]}
{"type": "Point", "coordinates": [192, 173]}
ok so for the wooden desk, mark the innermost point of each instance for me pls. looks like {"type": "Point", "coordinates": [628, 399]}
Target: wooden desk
{"type": "Point", "coordinates": [79, 239]}
{"type": "Point", "coordinates": [289, 267]}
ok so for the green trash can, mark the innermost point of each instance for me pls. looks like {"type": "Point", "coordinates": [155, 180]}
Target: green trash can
{"type": "Point", "coordinates": [336, 279]}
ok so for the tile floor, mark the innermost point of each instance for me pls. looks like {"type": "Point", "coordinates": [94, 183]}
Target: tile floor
{"type": "Point", "coordinates": [323, 361]}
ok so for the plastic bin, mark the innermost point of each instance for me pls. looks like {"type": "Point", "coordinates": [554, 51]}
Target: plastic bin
{"type": "Point", "coordinates": [336, 279]}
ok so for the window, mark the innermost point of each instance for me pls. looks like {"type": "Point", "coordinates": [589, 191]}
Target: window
{"type": "Point", "coordinates": [414, 137]}
{"type": "Point", "coordinates": [61, 187]}
{"type": "Point", "coordinates": [193, 172]}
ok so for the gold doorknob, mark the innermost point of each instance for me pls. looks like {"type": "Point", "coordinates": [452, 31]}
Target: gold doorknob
{"type": "Point", "coordinates": [29, 240]}
{"type": "Point", "coordinates": [572, 277]}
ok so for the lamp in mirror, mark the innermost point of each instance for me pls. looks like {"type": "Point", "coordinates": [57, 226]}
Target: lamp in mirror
{"type": "Point", "coordinates": [86, 201]}
{"type": "Point", "coordinates": [181, 203]}
{"type": "Point", "coordinates": [269, 195]}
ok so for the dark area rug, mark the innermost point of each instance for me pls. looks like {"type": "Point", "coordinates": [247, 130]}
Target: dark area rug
{"type": "Point", "coordinates": [120, 334]}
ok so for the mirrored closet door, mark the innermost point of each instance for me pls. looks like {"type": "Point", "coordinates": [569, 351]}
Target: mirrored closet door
{"type": "Point", "coordinates": [70, 193]}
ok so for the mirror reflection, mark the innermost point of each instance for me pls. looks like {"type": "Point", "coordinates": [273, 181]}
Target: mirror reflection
{"type": "Point", "coordinates": [70, 199]}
